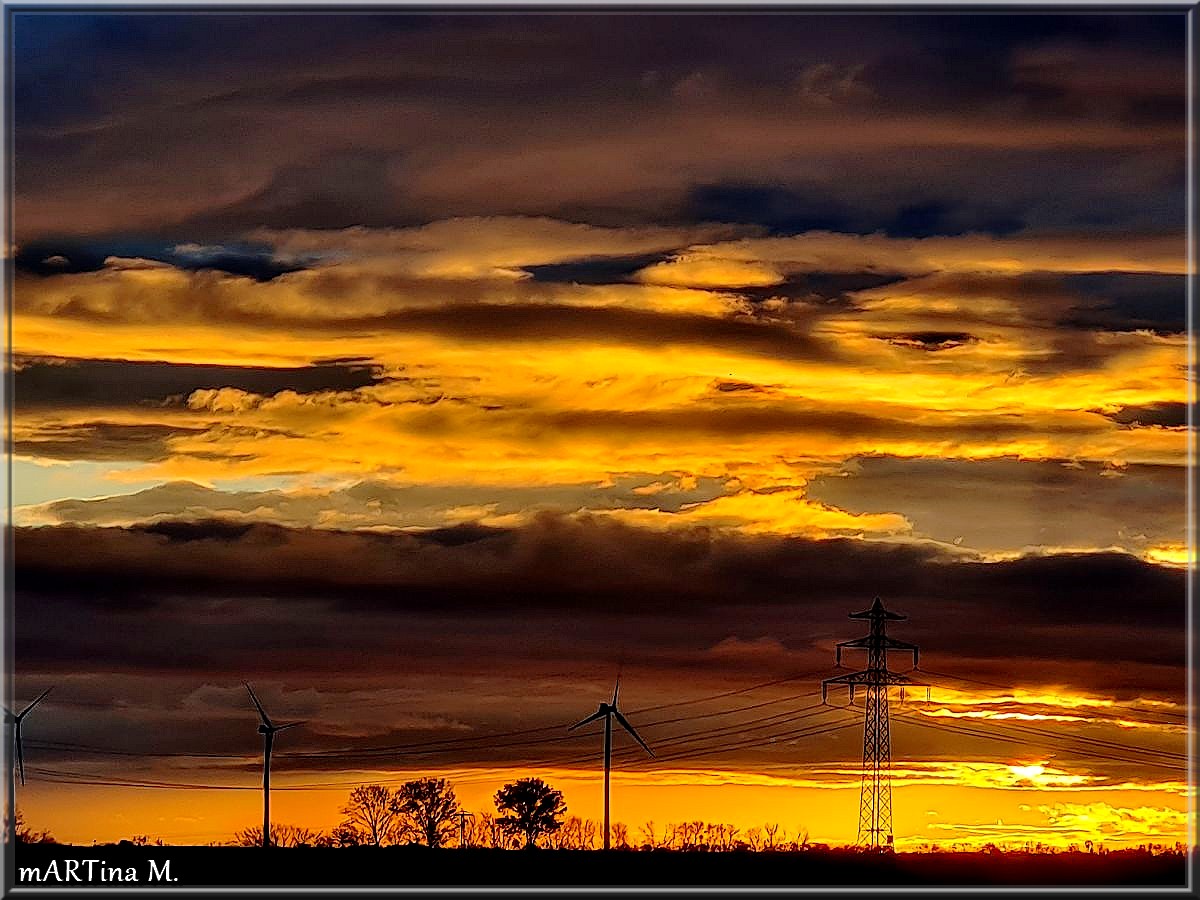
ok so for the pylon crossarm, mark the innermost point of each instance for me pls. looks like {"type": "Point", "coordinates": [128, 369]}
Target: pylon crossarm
{"type": "Point", "coordinates": [893, 644]}
{"type": "Point", "coordinates": [862, 642]}
{"type": "Point", "coordinates": [863, 676]}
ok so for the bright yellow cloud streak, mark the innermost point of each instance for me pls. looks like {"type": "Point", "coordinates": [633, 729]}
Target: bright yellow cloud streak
{"type": "Point", "coordinates": [765, 401]}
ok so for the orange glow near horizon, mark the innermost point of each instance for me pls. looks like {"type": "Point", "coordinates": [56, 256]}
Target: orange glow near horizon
{"type": "Point", "coordinates": [1031, 809]}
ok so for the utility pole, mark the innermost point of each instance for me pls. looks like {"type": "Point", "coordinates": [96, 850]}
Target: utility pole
{"type": "Point", "coordinates": [875, 794]}
{"type": "Point", "coordinates": [269, 739]}
{"type": "Point", "coordinates": [463, 815]}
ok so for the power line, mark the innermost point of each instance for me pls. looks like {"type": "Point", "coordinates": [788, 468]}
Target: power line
{"type": "Point", "coordinates": [722, 695]}
{"type": "Point", "coordinates": [86, 779]}
{"type": "Point", "coordinates": [807, 731]}
{"type": "Point", "coordinates": [703, 735]}
{"type": "Point", "coordinates": [435, 746]}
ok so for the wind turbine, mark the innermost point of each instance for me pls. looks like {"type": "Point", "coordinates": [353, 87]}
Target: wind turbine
{"type": "Point", "coordinates": [267, 729]}
{"type": "Point", "coordinates": [15, 720]}
{"type": "Point", "coordinates": [608, 711]}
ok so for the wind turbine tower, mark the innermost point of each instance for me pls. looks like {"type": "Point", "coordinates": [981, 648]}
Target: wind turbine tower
{"type": "Point", "coordinates": [268, 730]}
{"type": "Point", "coordinates": [15, 720]}
{"type": "Point", "coordinates": [609, 711]}
{"type": "Point", "coordinates": [875, 794]}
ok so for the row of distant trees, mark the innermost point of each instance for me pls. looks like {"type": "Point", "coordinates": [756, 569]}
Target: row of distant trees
{"type": "Point", "coordinates": [426, 811]}
{"type": "Point", "coordinates": [571, 833]}
{"type": "Point", "coordinates": [529, 813]}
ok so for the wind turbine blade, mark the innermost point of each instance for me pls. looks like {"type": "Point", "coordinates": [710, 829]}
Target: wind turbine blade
{"type": "Point", "coordinates": [40, 698]}
{"type": "Point", "coordinates": [262, 712]}
{"type": "Point", "coordinates": [632, 733]}
{"type": "Point", "coordinates": [616, 690]}
{"type": "Point", "coordinates": [598, 714]}
{"type": "Point", "coordinates": [287, 726]}
{"type": "Point", "coordinates": [20, 754]}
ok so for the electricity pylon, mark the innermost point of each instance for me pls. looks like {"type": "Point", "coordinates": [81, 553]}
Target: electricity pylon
{"type": "Point", "coordinates": [462, 815]}
{"type": "Point", "coordinates": [875, 795]}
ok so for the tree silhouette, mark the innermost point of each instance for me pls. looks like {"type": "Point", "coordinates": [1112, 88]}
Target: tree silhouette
{"type": "Point", "coordinates": [534, 808]}
{"type": "Point", "coordinates": [281, 836]}
{"type": "Point", "coordinates": [344, 835]}
{"type": "Point", "coordinates": [429, 807]}
{"type": "Point", "coordinates": [26, 835]}
{"type": "Point", "coordinates": [370, 811]}
{"type": "Point", "coordinates": [620, 835]}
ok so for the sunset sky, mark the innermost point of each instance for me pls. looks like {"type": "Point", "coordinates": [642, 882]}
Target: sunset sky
{"type": "Point", "coordinates": [427, 371]}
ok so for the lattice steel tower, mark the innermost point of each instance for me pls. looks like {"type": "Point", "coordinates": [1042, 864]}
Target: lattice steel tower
{"type": "Point", "coordinates": [875, 796]}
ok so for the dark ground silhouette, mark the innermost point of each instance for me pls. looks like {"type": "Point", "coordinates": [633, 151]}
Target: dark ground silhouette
{"type": "Point", "coordinates": [417, 865]}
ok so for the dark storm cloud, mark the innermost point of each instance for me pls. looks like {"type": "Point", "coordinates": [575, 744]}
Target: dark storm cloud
{"type": "Point", "coordinates": [780, 209]}
{"type": "Point", "coordinates": [224, 581]}
{"type": "Point", "coordinates": [41, 384]}
{"type": "Point", "coordinates": [374, 119]}
{"type": "Point", "coordinates": [373, 637]}
{"type": "Point", "coordinates": [342, 189]}
{"type": "Point", "coordinates": [795, 209]}
{"type": "Point", "coordinates": [1116, 301]}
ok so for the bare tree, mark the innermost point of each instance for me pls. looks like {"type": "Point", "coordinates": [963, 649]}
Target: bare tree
{"type": "Point", "coordinates": [575, 834]}
{"type": "Point", "coordinates": [690, 835]}
{"type": "Point", "coordinates": [428, 806]}
{"type": "Point", "coordinates": [371, 812]}
{"type": "Point", "coordinates": [486, 832]}
{"type": "Point", "coordinates": [620, 835]}
{"type": "Point", "coordinates": [772, 830]}
{"type": "Point", "coordinates": [673, 836]}
{"type": "Point", "coordinates": [26, 835]}
{"type": "Point", "coordinates": [590, 830]}
{"type": "Point", "coordinates": [534, 809]}
{"type": "Point", "coordinates": [568, 837]}
{"type": "Point", "coordinates": [648, 838]}
{"type": "Point", "coordinates": [297, 836]}
{"type": "Point", "coordinates": [281, 836]}
{"type": "Point", "coordinates": [479, 830]}
{"type": "Point", "coordinates": [754, 838]}
{"type": "Point", "coordinates": [344, 835]}
{"type": "Point", "coordinates": [728, 837]}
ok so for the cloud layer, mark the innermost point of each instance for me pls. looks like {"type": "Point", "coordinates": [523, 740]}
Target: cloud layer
{"type": "Point", "coordinates": [415, 366]}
